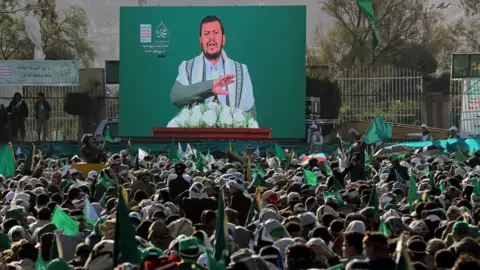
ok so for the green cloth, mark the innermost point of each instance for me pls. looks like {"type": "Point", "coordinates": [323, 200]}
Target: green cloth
{"type": "Point", "coordinates": [378, 131]}
{"type": "Point", "coordinates": [279, 152]}
{"type": "Point", "coordinates": [374, 200]}
{"type": "Point", "coordinates": [28, 166]}
{"type": "Point", "coordinates": [5, 242]}
{"type": "Point", "coordinates": [459, 226]}
{"type": "Point", "coordinates": [59, 264]}
{"type": "Point", "coordinates": [7, 161]}
{"type": "Point", "coordinates": [40, 264]}
{"type": "Point", "coordinates": [258, 181]}
{"type": "Point", "coordinates": [310, 178]}
{"type": "Point", "coordinates": [108, 135]}
{"type": "Point", "coordinates": [460, 155]}
{"type": "Point", "coordinates": [366, 6]}
{"type": "Point", "coordinates": [106, 180]}
{"type": "Point", "coordinates": [389, 206]}
{"type": "Point", "coordinates": [328, 169]}
{"type": "Point", "coordinates": [220, 242]}
{"type": "Point", "coordinates": [396, 156]}
{"type": "Point", "coordinates": [65, 185]}
{"type": "Point", "coordinates": [412, 195]}
{"type": "Point", "coordinates": [383, 229]}
{"type": "Point", "coordinates": [124, 234]}
{"type": "Point", "coordinates": [474, 233]}
{"type": "Point", "coordinates": [64, 222]}
{"type": "Point", "coordinates": [188, 243]}
{"type": "Point", "coordinates": [151, 251]}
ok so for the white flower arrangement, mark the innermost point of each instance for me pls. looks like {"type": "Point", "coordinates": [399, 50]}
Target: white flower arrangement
{"type": "Point", "coordinates": [213, 115]}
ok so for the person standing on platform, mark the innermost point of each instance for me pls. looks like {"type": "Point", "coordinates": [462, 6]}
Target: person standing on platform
{"type": "Point", "coordinates": [424, 135]}
{"type": "Point", "coordinates": [316, 140]}
{"type": "Point", "coordinates": [453, 133]}
{"type": "Point", "coordinates": [42, 115]}
{"type": "Point", "coordinates": [18, 111]}
{"type": "Point", "coordinates": [4, 133]}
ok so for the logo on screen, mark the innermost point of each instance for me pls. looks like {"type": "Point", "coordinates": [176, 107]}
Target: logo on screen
{"type": "Point", "coordinates": [145, 33]}
{"type": "Point", "coordinates": [161, 34]}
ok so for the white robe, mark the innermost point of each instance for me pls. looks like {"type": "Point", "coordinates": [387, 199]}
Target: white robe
{"type": "Point", "coordinates": [242, 99]}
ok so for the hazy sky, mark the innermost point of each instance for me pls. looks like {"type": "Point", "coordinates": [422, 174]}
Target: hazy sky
{"type": "Point", "coordinates": [104, 18]}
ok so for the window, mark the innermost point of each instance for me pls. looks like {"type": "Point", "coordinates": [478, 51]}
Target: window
{"type": "Point", "coordinates": [113, 129]}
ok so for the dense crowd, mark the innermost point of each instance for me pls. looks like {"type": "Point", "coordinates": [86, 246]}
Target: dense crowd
{"type": "Point", "coordinates": [192, 211]}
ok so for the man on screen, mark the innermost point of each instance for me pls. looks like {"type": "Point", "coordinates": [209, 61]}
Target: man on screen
{"type": "Point", "coordinates": [212, 76]}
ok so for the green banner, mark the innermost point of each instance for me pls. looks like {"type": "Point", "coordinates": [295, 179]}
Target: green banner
{"type": "Point", "coordinates": [213, 67]}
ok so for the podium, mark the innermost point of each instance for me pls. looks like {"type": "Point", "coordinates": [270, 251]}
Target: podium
{"type": "Point", "coordinates": [213, 133]}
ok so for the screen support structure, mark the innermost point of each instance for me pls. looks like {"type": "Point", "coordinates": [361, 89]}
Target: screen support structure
{"type": "Point", "coordinates": [467, 72]}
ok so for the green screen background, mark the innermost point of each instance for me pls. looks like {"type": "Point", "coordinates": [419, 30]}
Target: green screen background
{"type": "Point", "coordinates": [270, 40]}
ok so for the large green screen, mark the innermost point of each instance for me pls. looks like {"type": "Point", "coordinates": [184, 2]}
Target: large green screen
{"type": "Point", "coordinates": [259, 56]}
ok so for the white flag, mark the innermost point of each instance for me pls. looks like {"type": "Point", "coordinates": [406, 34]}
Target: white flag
{"type": "Point", "coordinates": [257, 152]}
{"type": "Point", "coordinates": [142, 154]}
{"type": "Point", "coordinates": [180, 150]}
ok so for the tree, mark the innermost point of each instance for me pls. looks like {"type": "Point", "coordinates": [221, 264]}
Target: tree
{"type": "Point", "coordinates": [64, 33]}
{"type": "Point", "coordinates": [471, 7]}
{"type": "Point", "coordinates": [417, 58]}
{"type": "Point", "coordinates": [400, 24]}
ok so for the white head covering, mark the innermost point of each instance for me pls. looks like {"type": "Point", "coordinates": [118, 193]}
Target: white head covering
{"type": "Point", "coordinates": [92, 174]}
{"type": "Point", "coordinates": [356, 226]}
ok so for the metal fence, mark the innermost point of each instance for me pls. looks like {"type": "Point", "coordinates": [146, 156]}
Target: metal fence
{"type": "Point", "coordinates": [112, 107]}
{"type": "Point", "coordinates": [393, 92]}
{"type": "Point", "coordinates": [61, 126]}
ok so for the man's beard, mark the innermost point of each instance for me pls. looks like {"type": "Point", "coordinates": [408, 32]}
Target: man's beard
{"type": "Point", "coordinates": [213, 56]}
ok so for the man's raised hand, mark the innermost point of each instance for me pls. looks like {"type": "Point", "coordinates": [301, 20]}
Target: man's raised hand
{"type": "Point", "coordinates": [219, 84]}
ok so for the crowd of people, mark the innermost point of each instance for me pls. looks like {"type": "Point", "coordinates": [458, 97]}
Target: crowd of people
{"type": "Point", "coordinates": [402, 212]}
{"type": "Point", "coordinates": [14, 116]}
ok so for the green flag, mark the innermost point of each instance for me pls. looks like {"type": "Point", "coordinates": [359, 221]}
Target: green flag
{"type": "Point", "coordinates": [259, 181]}
{"type": "Point", "coordinates": [378, 131]}
{"type": "Point", "coordinates": [336, 184]}
{"type": "Point", "coordinates": [199, 165]}
{"type": "Point", "coordinates": [476, 187]}
{"type": "Point", "coordinates": [173, 153]}
{"type": "Point", "coordinates": [402, 259]}
{"type": "Point", "coordinates": [54, 252]}
{"type": "Point", "coordinates": [310, 178]}
{"type": "Point", "coordinates": [336, 267]}
{"type": "Point", "coordinates": [259, 171]}
{"type": "Point", "coordinates": [328, 169]}
{"type": "Point", "coordinates": [398, 177]}
{"type": "Point", "coordinates": [7, 161]}
{"type": "Point", "coordinates": [28, 167]}
{"type": "Point", "coordinates": [108, 135]}
{"type": "Point", "coordinates": [254, 210]}
{"type": "Point", "coordinates": [412, 195]}
{"type": "Point", "coordinates": [40, 264]}
{"type": "Point", "coordinates": [460, 155]}
{"type": "Point", "coordinates": [374, 201]}
{"type": "Point", "coordinates": [220, 242]}
{"type": "Point", "coordinates": [383, 228]}
{"type": "Point", "coordinates": [130, 151]}
{"type": "Point", "coordinates": [125, 245]}
{"type": "Point", "coordinates": [367, 8]}
{"type": "Point", "coordinates": [233, 149]}
{"type": "Point", "coordinates": [279, 152]}
{"type": "Point", "coordinates": [64, 222]}
{"type": "Point", "coordinates": [212, 264]}
{"type": "Point", "coordinates": [335, 195]}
